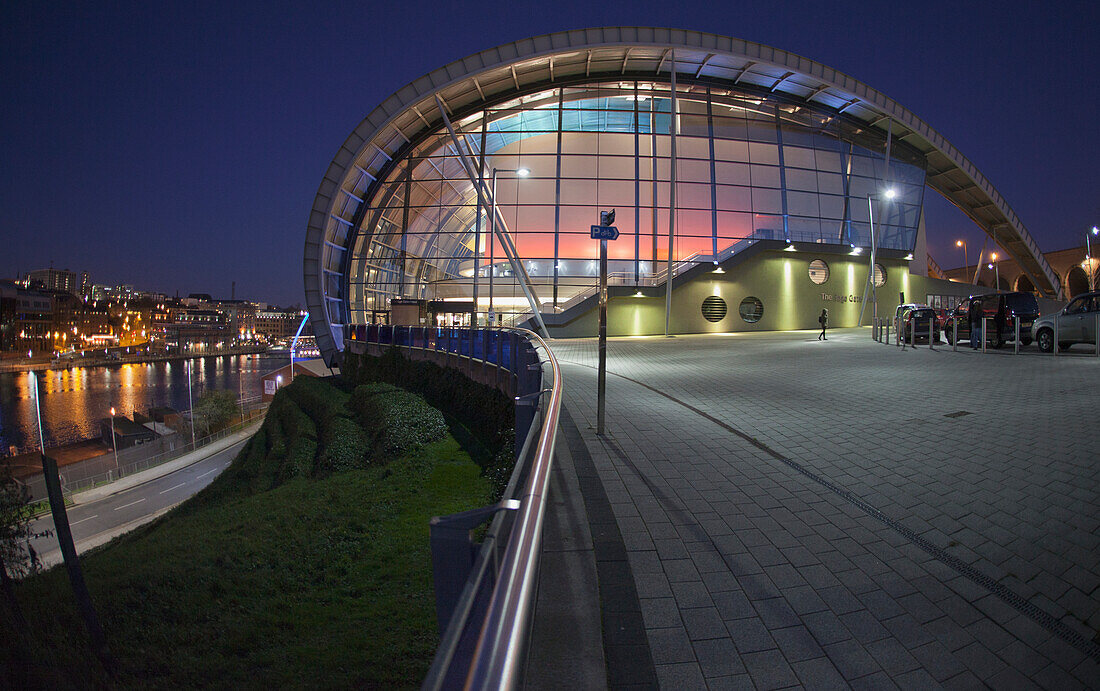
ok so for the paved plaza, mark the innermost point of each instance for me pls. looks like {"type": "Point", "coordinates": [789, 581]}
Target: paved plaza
{"type": "Point", "coordinates": [770, 510]}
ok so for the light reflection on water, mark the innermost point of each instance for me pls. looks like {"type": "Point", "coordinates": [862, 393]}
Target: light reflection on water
{"type": "Point", "coordinates": [74, 401]}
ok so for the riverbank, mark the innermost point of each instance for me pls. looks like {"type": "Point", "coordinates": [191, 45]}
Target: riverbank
{"type": "Point", "coordinates": [23, 364]}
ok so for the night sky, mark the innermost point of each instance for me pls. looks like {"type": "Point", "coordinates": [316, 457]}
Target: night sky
{"type": "Point", "coordinates": [178, 147]}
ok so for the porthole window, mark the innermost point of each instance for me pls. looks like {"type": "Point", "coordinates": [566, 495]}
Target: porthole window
{"type": "Point", "coordinates": [819, 271]}
{"type": "Point", "coordinates": [880, 276]}
{"type": "Point", "coordinates": [714, 308]}
{"type": "Point", "coordinates": [752, 309]}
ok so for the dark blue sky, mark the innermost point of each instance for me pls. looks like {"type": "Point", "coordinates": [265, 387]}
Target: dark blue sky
{"type": "Point", "coordinates": [180, 147]}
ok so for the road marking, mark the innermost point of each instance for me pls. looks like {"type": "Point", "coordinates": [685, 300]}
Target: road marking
{"type": "Point", "coordinates": [205, 474]}
{"type": "Point", "coordinates": [130, 504]}
{"type": "Point", "coordinates": [172, 488]}
{"type": "Point", "coordinates": [84, 519]}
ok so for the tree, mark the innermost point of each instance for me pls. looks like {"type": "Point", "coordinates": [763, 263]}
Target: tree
{"type": "Point", "coordinates": [17, 557]}
{"type": "Point", "coordinates": [214, 412]}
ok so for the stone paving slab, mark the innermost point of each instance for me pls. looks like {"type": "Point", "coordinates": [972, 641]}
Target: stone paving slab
{"type": "Point", "coordinates": [802, 513]}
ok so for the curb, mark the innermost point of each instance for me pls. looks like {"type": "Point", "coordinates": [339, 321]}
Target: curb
{"type": "Point", "coordinates": [140, 478]}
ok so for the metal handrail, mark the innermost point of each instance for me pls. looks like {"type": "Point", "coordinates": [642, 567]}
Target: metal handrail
{"type": "Point", "coordinates": [504, 608]}
{"type": "Point", "coordinates": [496, 663]}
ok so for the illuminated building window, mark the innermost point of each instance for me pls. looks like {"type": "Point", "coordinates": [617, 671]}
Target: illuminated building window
{"type": "Point", "coordinates": [752, 309]}
{"type": "Point", "coordinates": [819, 271]}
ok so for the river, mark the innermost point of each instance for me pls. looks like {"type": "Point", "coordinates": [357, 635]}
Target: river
{"type": "Point", "coordinates": [74, 401]}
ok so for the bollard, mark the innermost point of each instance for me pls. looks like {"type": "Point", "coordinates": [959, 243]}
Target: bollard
{"type": "Point", "coordinates": [1017, 336]}
{"type": "Point", "coordinates": [1055, 349]}
{"type": "Point", "coordinates": [913, 333]}
{"type": "Point", "coordinates": [985, 333]}
{"type": "Point", "coordinates": [931, 331]}
{"type": "Point", "coordinates": [955, 334]}
{"type": "Point", "coordinates": [887, 339]}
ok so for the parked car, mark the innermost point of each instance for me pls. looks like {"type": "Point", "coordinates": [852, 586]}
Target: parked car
{"type": "Point", "coordinates": [1076, 323]}
{"type": "Point", "coordinates": [915, 323]}
{"type": "Point", "coordinates": [901, 309]}
{"type": "Point", "coordinates": [1003, 310]}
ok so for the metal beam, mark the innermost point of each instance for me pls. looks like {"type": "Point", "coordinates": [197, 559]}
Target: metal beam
{"type": "Point", "coordinates": [503, 235]}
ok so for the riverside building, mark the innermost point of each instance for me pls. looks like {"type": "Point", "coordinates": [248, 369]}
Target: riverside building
{"type": "Point", "coordinates": [757, 181]}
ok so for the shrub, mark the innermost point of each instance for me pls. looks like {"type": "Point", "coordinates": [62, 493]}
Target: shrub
{"type": "Point", "coordinates": [486, 412]}
{"type": "Point", "coordinates": [397, 421]}
{"type": "Point", "coordinates": [345, 446]}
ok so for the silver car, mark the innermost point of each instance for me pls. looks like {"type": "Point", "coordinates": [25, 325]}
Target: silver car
{"type": "Point", "coordinates": [1076, 323]}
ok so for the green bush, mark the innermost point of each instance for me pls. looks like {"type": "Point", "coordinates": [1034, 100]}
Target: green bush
{"type": "Point", "coordinates": [396, 421]}
{"type": "Point", "coordinates": [346, 446]}
{"type": "Point", "coordinates": [488, 414]}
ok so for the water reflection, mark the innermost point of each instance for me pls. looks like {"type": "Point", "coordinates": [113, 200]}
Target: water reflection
{"type": "Point", "coordinates": [74, 401]}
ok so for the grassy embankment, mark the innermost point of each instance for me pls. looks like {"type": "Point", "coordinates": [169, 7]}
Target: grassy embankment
{"type": "Point", "coordinates": [306, 563]}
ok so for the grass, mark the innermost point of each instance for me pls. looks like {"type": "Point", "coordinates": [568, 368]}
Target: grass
{"type": "Point", "coordinates": [319, 580]}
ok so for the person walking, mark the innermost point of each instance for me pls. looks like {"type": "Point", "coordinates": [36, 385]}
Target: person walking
{"type": "Point", "coordinates": [824, 321]}
{"type": "Point", "coordinates": [975, 318]}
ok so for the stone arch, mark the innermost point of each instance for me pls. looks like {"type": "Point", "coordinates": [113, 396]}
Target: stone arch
{"type": "Point", "coordinates": [1077, 282]}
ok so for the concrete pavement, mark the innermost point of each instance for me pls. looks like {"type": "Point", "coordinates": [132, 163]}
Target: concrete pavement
{"type": "Point", "coordinates": [795, 512]}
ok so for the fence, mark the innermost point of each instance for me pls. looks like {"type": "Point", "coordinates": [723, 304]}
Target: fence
{"type": "Point", "coordinates": [254, 409]}
{"type": "Point", "coordinates": [485, 593]}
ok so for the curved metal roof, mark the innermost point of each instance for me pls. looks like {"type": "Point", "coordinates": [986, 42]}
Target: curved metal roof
{"type": "Point", "coordinates": [609, 53]}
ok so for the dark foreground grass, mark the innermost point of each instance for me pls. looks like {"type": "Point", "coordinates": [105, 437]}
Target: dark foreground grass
{"type": "Point", "coordinates": [318, 582]}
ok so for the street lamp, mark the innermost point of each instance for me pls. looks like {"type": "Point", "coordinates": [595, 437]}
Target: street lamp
{"type": "Point", "coordinates": [190, 404]}
{"type": "Point", "coordinates": [888, 193]}
{"type": "Point", "coordinates": [114, 442]}
{"type": "Point", "coordinates": [966, 259]}
{"type": "Point", "coordinates": [993, 265]}
{"type": "Point", "coordinates": [521, 172]}
{"type": "Point", "coordinates": [1088, 257]}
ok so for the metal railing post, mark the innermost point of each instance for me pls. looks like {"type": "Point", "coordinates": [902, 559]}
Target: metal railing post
{"type": "Point", "coordinates": [913, 333]}
{"type": "Point", "coordinates": [1096, 332]}
{"type": "Point", "coordinates": [887, 339]}
{"type": "Point", "coordinates": [1017, 350]}
{"type": "Point", "coordinates": [985, 332]}
{"type": "Point", "coordinates": [955, 335]}
{"type": "Point", "coordinates": [931, 331]}
{"type": "Point", "coordinates": [1055, 348]}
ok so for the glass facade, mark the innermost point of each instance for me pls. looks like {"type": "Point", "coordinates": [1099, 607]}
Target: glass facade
{"type": "Point", "coordinates": [749, 166]}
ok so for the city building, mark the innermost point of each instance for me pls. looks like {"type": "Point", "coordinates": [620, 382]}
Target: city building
{"type": "Point", "coordinates": [60, 279]}
{"type": "Point", "coordinates": [278, 324]}
{"type": "Point", "coordinates": [1071, 269]}
{"type": "Point", "coordinates": [471, 192]}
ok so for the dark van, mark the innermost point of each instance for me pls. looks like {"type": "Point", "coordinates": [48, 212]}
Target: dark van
{"type": "Point", "coordinates": [1003, 311]}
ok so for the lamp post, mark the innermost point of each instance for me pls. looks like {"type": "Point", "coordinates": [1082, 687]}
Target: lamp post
{"type": "Point", "coordinates": [966, 259]}
{"type": "Point", "coordinates": [997, 270]}
{"type": "Point", "coordinates": [114, 442]}
{"type": "Point", "coordinates": [190, 404]}
{"type": "Point", "coordinates": [1088, 257]}
{"type": "Point", "coordinates": [519, 172]}
{"type": "Point", "coordinates": [888, 193]}
{"type": "Point", "coordinates": [56, 495]}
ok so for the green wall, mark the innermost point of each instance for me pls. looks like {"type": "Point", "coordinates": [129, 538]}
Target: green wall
{"type": "Point", "coordinates": [778, 278]}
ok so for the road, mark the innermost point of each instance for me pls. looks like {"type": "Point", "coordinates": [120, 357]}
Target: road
{"type": "Point", "coordinates": [98, 521]}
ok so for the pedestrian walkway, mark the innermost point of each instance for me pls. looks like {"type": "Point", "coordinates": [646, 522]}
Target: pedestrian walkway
{"type": "Point", "coordinates": [841, 513]}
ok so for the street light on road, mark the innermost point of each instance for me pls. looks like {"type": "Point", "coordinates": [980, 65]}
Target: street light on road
{"type": "Point", "coordinates": [997, 269]}
{"type": "Point", "coordinates": [888, 193]}
{"type": "Point", "coordinates": [966, 259]}
{"type": "Point", "coordinates": [114, 442]}
{"type": "Point", "coordinates": [1088, 257]}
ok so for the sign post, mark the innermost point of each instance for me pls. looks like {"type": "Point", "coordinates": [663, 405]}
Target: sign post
{"type": "Point", "coordinates": [603, 232]}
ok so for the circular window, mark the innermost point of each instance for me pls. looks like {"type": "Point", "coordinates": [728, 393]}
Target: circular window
{"type": "Point", "coordinates": [752, 309]}
{"type": "Point", "coordinates": [819, 271]}
{"type": "Point", "coordinates": [714, 309]}
{"type": "Point", "coordinates": [880, 276]}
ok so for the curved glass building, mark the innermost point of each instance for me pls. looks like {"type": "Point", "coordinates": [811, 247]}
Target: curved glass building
{"type": "Point", "coordinates": [467, 196]}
